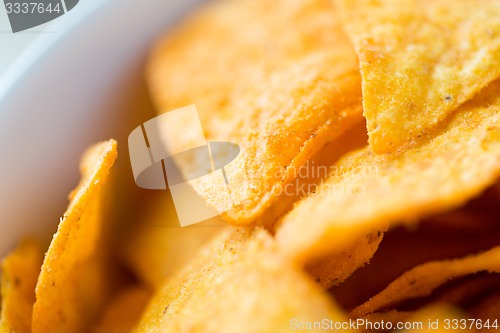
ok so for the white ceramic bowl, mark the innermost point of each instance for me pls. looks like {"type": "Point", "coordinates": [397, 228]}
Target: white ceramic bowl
{"type": "Point", "coordinates": [81, 84]}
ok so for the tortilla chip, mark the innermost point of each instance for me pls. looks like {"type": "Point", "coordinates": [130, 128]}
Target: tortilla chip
{"type": "Point", "coordinates": [422, 280]}
{"type": "Point", "coordinates": [157, 247]}
{"type": "Point", "coordinates": [124, 311]}
{"type": "Point", "coordinates": [278, 92]}
{"type": "Point", "coordinates": [335, 269]}
{"type": "Point", "coordinates": [248, 286]}
{"type": "Point", "coordinates": [420, 60]}
{"type": "Point", "coordinates": [367, 191]}
{"type": "Point", "coordinates": [405, 247]}
{"type": "Point", "coordinates": [73, 284]}
{"type": "Point", "coordinates": [20, 271]}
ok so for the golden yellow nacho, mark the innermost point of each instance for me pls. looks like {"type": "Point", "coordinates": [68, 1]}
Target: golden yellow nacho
{"type": "Point", "coordinates": [422, 280]}
{"type": "Point", "coordinates": [19, 273]}
{"type": "Point", "coordinates": [246, 287]}
{"type": "Point", "coordinates": [420, 60]}
{"type": "Point", "coordinates": [340, 218]}
{"type": "Point", "coordinates": [278, 78]}
{"type": "Point", "coordinates": [75, 279]}
{"type": "Point", "coordinates": [368, 191]}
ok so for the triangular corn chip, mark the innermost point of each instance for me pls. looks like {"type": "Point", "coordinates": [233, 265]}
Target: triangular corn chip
{"type": "Point", "coordinates": [277, 78]}
{"type": "Point", "coordinates": [73, 283]}
{"type": "Point", "coordinates": [246, 287]}
{"type": "Point", "coordinates": [366, 191]}
{"type": "Point", "coordinates": [420, 60]}
{"type": "Point", "coordinates": [432, 239]}
{"type": "Point", "coordinates": [19, 274]}
{"type": "Point", "coordinates": [422, 280]}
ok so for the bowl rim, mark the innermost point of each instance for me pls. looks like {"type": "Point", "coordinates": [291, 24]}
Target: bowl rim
{"type": "Point", "coordinates": [42, 44]}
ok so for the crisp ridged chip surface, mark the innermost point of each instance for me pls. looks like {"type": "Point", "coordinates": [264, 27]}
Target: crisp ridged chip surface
{"type": "Point", "coordinates": [75, 279]}
{"type": "Point", "coordinates": [278, 78]}
{"type": "Point", "coordinates": [420, 60]}
{"type": "Point", "coordinates": [422, 280]}
{"type": "Point", "coordinates": [247, 286]}
{"type": "Point", "coordinates": [367, 191]}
